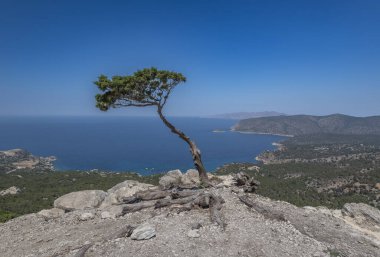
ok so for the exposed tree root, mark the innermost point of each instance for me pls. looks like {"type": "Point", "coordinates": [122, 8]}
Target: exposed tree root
{"type": "Point", "coordinates": [269, 214]}
{"type": "Point", "coordinates": [128, 208]}
{"type": "Point", "coordinates": [124, 232]}
{"type": "Point", "coordinates": [179, 200]}
{"type": "Point", "coordinates": [145, 196]}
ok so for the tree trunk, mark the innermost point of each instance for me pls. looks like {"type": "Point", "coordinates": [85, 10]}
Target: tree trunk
{"type": "Point", "coordinates": [195, 152]}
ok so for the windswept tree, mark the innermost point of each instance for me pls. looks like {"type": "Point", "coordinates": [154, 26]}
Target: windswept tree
{"type": "Point", "coordinates": [147, 87]}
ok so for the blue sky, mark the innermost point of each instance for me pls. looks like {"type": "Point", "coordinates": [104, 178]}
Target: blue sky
{"type": "Point", "coordinates": [312, 57]}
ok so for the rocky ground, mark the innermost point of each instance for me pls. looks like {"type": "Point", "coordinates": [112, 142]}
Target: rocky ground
{"type": "Point", "coordinates": [93, 218]}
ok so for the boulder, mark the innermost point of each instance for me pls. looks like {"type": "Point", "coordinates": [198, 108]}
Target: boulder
{"type": "Point", "coordinates": [49, 214]}
{"type": "Point", "coordinates": [377, 186]}
{"type": "Point", "coordinates": [81, 200]}
{"type": "Point", "coordinates": [363, 214]}
{"type": "Point", "coordinates": [10, 191]}
{"type": "Point", "coordinates": [190, 178]}
{"type": "Point", "coordinates": [124, 189]}
{"type": "Point", "coordinates": [171, 179]}
{"type": "Point", "coordinates": [143, 232]}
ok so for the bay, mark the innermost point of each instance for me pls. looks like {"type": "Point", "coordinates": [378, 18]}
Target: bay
{"type": "Point", "coordinates": [140, 144]}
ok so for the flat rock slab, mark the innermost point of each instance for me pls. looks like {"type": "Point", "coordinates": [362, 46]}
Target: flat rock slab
{"type": "Point", "coordinates": [81, 200]}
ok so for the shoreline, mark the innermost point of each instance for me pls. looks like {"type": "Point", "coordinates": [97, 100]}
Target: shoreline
{"type": "Point", "coordinates": [260, 133]}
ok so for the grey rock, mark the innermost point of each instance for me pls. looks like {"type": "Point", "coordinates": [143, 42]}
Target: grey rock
{"type": "Point", "coordinates": [49, 214]}
{"type": "Point", "coordinates": [190, 178]}
{"type": "Point", "coordinates": [363, 214]}
{"type": "Point", "coordinates": [124, 189]}
{"type": "Point", "coordinates": [143, 232]}
{"type": "Point", "coordinates": [171, 179]}
{"type": "Point", "coordinates": [81, 200]}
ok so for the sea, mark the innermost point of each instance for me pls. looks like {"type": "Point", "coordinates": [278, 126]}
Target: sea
{"type": "Point", "coordinates": [139, 144]}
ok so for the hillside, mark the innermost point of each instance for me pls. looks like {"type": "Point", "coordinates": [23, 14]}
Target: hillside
{"type": "Point", "coordinates": [307, 124]}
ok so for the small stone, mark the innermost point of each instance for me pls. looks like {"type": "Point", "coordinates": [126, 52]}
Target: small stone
{"type": "Point", "coordinates": [143, 232]}
{"type": "Point", "coordinates": [86, 216]}
{"type": "Point", "coordinates": [194, 233]}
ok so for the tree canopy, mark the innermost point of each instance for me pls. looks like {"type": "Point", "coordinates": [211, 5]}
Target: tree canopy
{"type": "Point", "coordinates": [146, 87]}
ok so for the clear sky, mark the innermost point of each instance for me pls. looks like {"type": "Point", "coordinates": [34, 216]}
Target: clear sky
{"type": "Point", "coordinates": [306, 56]}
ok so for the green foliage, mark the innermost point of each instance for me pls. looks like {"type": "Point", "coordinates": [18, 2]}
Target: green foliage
{"type": "Point", "coordinates": [4, 216]}
{"type": "Point", "coordinates": [147, 87]}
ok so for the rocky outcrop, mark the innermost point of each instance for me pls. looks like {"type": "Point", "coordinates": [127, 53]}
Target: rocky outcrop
{"type": "Point", "coordinates": [81, 200]}
{"type": "Point", "coordinates": [176, 178]}
{"type": "Point", "coordinates": [171, 179]}
{"type": "Point", "coordinates": [363, 215]}
{"type": "Point", "coordinates": [124, 189]}
{"type": "Point", "coordinates": [262, 227]}
{"type": "Point", "coordinates": [10, 191]}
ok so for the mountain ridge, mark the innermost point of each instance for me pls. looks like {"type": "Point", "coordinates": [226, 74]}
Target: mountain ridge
{"type": "Point", "coordinates": [308, 124]}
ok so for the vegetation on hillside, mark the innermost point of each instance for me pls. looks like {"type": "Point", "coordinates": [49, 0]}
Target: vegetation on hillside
{"type": "Point", "coordinates": [307, 125]}
{"type": "Point", "coordinates": [328, 170]}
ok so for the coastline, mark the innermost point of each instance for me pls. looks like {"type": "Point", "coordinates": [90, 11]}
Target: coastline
{"type": "Point", "coordinates": [279, 146]}
{"type": "Point", "coordinates": [260, 133]}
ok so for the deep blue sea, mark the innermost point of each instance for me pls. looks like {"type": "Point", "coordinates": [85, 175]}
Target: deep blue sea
{"type": "Point", "coordinates": [141, 144]}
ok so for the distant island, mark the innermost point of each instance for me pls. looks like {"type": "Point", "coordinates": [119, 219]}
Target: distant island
{"type": "Point", "coordinates": [296, 125]}
{"type": "Point", "coordinates": [245, 115]}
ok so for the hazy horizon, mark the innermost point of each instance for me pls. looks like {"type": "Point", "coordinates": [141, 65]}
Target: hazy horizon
{"type": "Point", "coordinates": [152, 115]}
{"type": "Point", "coordinates": [294, 57]}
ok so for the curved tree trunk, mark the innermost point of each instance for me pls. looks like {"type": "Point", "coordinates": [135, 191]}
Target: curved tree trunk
{"type": "Point", "coordinates": [195, 152]}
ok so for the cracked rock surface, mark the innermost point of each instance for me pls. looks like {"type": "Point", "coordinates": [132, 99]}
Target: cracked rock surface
{"type": "Point", "coordinates": [303, 232]}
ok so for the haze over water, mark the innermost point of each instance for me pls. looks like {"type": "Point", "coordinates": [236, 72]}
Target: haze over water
{"type": "Point", "coordinates": [137, 144]}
